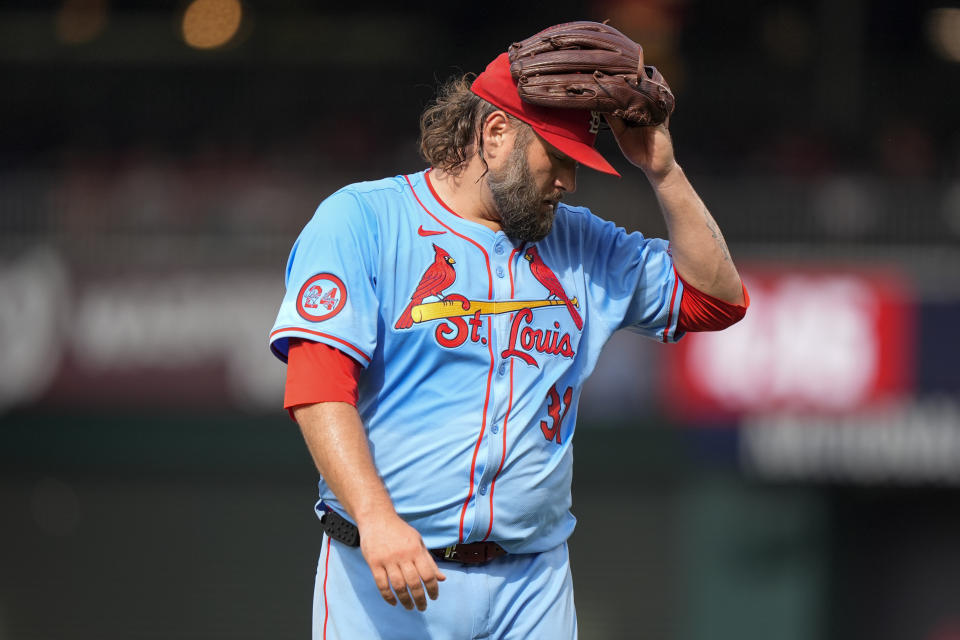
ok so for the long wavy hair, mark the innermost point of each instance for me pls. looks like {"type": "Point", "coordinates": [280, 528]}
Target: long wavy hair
{"type": "Point", "coordinates": [451, 126]}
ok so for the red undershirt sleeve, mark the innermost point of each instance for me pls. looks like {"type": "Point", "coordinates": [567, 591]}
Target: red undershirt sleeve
{"type": "Point", "coordinates": [317, 372]}
{"type": "Point", "coordinates": [702, 312]}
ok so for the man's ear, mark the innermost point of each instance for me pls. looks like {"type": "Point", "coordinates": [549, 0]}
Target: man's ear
{"type": "Point", "coordinates": [495, 134]}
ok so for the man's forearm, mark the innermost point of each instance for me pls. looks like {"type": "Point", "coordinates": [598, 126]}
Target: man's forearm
{"type": "Point", "coordinates": [699, 251]}
{"type": "Point", "coordinates": [337, 442]}
{"type": "Point", "coordinates": [401, 566]}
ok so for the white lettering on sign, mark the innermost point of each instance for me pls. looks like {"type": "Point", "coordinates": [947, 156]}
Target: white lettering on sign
{"type": "Point", "coordinates": [33, 299]}
{"type": "Point", "coordinates": [175, 321]}
{"type": "Point", "coordinates": [915, 442]}
{"type": "Point", "coordinates": [807, 342]}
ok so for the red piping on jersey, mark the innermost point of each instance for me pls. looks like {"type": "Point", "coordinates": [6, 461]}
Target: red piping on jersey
{"type": "Point", "coordinates": [510, 268]}
{"type": "Point", "coordinates": [486, 256]}
{"type": "Point", "coordinates": [486, 400]}
{"type": "Point", "coordinates": [437, 196]}
{"type": "Point", "coordinates": [506, 418]}
{"type": "Point", "coordinates": [326, 603]}
{"type": "Point", "coordinates": [503, 455]}
{"type": "Point", "coordinates": [323, 335]}
{"type": "Point", "coordinates": [476, 447]}
{"type": "Point", "coordinates": [673, 298]}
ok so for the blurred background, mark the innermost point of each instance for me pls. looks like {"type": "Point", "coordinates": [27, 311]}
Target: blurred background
{"type": "Point", "coordinates": [796, 477]}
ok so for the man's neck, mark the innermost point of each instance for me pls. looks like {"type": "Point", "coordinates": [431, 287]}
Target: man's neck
{"type": "Point", "coordinates": [467, 193]}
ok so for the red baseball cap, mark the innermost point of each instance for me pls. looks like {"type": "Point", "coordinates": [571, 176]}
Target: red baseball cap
{"type": "Point", "coordinates": [572, 131]}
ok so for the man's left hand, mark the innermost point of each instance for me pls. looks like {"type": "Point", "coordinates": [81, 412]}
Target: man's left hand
{"type": "Point", "coordinates": [647, 147]}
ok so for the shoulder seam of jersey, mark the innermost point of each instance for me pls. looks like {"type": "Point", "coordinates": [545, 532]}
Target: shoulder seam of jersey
{"type": "Point", "coordinates": [372, 186]}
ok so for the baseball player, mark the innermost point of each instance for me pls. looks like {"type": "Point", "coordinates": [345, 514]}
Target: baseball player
{"type": "Point", "coordinates": [438, 327]}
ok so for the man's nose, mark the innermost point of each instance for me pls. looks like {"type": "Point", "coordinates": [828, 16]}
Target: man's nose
{"type": "Point", "coordinates": [566, 178]}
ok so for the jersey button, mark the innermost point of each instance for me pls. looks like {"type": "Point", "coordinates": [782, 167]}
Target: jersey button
{"type": "Point", "coordinates": [495, 429]}
{"type": "Point", "coordinates": [483, 489]}
{"type": "Point", "coordinates": [499, 272]}
{"type": "Point", "coordinates": [498, 249]}
{"type": "Point", "coordinates": [502, 369]}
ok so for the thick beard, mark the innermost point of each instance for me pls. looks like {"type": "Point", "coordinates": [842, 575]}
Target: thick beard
{"type": "Point", "coordinates": [518, 200]}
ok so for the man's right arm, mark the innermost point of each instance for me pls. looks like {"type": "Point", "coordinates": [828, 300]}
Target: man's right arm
{"type": "Point", "coordinates": [393, 549]}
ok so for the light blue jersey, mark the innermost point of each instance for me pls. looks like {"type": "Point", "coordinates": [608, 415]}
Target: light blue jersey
{"type": "Point", "coordinates": [475, 348]}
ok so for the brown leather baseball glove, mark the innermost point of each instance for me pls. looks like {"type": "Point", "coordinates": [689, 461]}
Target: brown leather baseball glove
{"type": "Point", "coordinates": [589, 65]}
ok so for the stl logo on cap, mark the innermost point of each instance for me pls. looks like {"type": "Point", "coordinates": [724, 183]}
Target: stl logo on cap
{"type": "Point", "coordinates": [321, 297]}
{"type": "Point", "coordinates": [594, 122]}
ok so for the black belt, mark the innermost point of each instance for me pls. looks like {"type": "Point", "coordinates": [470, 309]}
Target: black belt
{"type": "Point", "coordinates": [342, 530]}
{"type": "Point", "coordinates": [470, 553]}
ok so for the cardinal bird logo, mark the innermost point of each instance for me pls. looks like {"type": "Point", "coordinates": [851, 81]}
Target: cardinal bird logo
{"type": "Point", "coordinates": [438, 277]}
{"type": "Point", "coordinates": [546, 277]}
